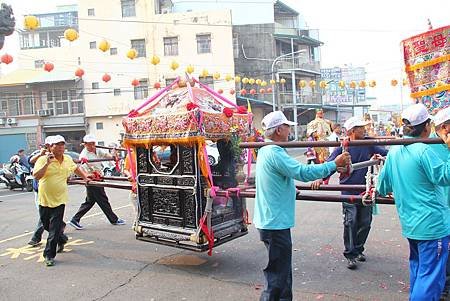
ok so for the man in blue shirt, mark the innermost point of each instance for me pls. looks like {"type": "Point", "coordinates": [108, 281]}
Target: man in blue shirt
{"type": "Point", "coordinates": [275, 202]}
{"type": "Point", "coordinates": [415, 174]}
{"type": "Point", "coordinates": [442, 126]}
{"type": "Point", "coordinates": [357, 217]}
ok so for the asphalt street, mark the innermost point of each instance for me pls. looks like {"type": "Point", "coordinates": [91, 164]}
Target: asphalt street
{"type": "Point", "coordinates": [106, 262]}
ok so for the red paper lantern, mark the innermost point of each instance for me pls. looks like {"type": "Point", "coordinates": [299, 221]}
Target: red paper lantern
{"type": "Point", "coordinates": [232, 91]}
{"type": "Point", "coordinates": [157, 85]}
{"type": "Point", "coordinates": [252, 91]}
{"type": "Point", "coordinates": [243, 92]}
{"type": "Point", "coordinates": [269, 90]}
{"type": "Point", "coordinates": [7, 59]}
{"type": "Point", "coordinates": [220, 91]}
{"type": "Point", "coordinates": [48, 67]}
{"type": "Point", "coordinates": [79, 72]}
{"type": "Point", "coordinates": [106, 77]}
{"type": "Point", "coordinates": [135, 82]}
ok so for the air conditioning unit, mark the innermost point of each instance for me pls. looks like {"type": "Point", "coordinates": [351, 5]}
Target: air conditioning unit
{"type": "Point", "coordinates": [44, 113]}
{"type": "Point", "coordinates": [11, 121]}
{"type": "Point", "coordinates": [2, 113]}
{"type": "Point", "coordinates": [2, 121]}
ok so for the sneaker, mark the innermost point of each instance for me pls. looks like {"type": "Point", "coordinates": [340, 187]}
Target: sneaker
{"type": "Point", "coordinates": [76, 224]}
{"type": "Point", "coordinates": [49, 262]}
{"type": "Point", "coordinates": [120, 222]}
{"type": "Point", "coordinates": [361, 257]}
{"type": "Point", "coordinates": [351, 263]}
{"type": "Point", "coordinates": [34, 243]}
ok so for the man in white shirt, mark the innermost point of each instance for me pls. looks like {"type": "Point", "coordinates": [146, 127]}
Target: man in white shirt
{"type": "Point", "coordinates": [335, 135]}
{"type": "Point", "coordinates": [94, 194]}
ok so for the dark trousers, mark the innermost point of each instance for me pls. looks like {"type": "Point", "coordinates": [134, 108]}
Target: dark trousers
{"type": "Point", "coordinates": [52, 220]}
{"type": "Point", "coordinates": [96, 195]}
{"type": "Point", "coordinates": [357, 220]}
{"type": "Point", "coordinates": [278, 272]}
{"type": "Point", "coordinates": [37, 235]}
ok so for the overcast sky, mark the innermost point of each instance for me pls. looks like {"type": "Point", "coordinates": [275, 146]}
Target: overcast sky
{"type": "Point", "coordinates": [354, 32]}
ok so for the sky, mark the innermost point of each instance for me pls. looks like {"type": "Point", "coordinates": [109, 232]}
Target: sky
{"type": "Point", "coordinates": [354, 32]}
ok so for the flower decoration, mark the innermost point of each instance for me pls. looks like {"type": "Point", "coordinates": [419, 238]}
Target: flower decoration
{"type": "Point", "coordinates": [191, 106]}
{"type": "Point", "coordinates": [228, 112]}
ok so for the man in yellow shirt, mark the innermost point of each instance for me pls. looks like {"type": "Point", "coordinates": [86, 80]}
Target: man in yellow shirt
{"type": "Point", "coordinates": [52, 172]}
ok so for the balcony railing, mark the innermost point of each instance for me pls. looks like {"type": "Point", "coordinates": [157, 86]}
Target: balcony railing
{"type": "Point", "coordinates": [298, 63]}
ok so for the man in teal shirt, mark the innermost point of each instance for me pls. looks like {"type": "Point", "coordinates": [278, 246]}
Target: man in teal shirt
{"type": "Point", "coordinates": [442, 125]}
{"type": "Point", "coordinates": [415, 174]}
{"type": "Point", "coordinates": [275, 202]}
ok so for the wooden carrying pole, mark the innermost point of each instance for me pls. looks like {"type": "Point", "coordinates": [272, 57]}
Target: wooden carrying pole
{"type": "Point", "coordinates": [365, 142]}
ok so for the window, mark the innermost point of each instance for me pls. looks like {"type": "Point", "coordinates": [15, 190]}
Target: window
{"type": "Point", "coordinates": [141, 91]}
{"type": "Point", "coordinates": [77, 106]}
{"type": "Point", "coordinates": [169, 81]}
{"type": "Point", "coordinates": [43, 39]}
{"type": "Point", "coordinates": [112, 51]}
{"type": "Point", "coordinates": [235, 45]}
{"type": "Point", "coordinates": [128, 8]}
{"type": "Point", "coordinates": [207, 81]}
{"type": "Point", "coordinates": [139, 45]}
{"type": "Point", "coordinates": [99, 125]}
{"type": "Point", "coordinates": [38, 64]}
{"type": "Point", "coordinates": [13, 104]}
{"type": "Point", "coordinates": [95, 85]}
{"type": "Point", "coordinates": [61, 98]}
{"type": "Point", "coordinates": [203, 43]}
{"type": "Point", "coordinates": [116, 92]}
{"type": "Point", "coordinates": [91, 12]}
{"type": "Point", "coordinates": [171, 46]}
{"type": "Point", "coordinates": [92, 45]}
{"type": "Point", "coordinates": [54, 38]}
{"type": "Point", "coordinates": [28, 104]}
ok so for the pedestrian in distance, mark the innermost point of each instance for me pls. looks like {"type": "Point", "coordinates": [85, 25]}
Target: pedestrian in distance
{"type": "Point", "coordinates": [52, 171]}
{"type": "Point", "coordinates": [414, 173]}
{"type": "Point", "coordinates": [275, 202]}
{"type": "Point", "coordinates": [357, 218]}
{"type": "Point", "coordinates": [94, 194]}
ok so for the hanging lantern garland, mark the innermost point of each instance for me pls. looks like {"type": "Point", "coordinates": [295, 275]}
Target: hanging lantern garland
{"type": "Point", "coordinates": [190, 69]}
{"type": "Point", "coordinates": [135, 82]}
{"type": "Point", "coordinates": [48, 67]}
{"type": "Point", "coordinates": [228, 77]}
{"type": "Point", "coordinates": [216, 75]}
{"type": "Point", "coordinates": [31, 22]}
{"type": "Point", "coordinates": [204, 73]}
{"type": "Point", "coordinates": [174, 65]}
{"type": "Point", "coordinates": [70, 34]}
{"type": "Point", "coordinates": [237, 79]}
{"type": "Point", "coordinates": [79, 73]}
{"type": "Point", "coordinates": [394, 82]}
{"type": "Point", "coordinates": [7, 59]}
{"type": "Point", "coordinates": [155, 60]}
{"type": "Point", "coordinates": [104, 45]}
{"type": "Point", "coordinates": [132, 54]}
{"type": "Point", "coordinates": [106, 77]}
{"type": "Point", "coordinates": [157, 85]}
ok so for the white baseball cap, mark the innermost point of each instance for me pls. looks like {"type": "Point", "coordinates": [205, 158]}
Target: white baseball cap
{"type": "Point", "coordinates": [57, 139]}
{"type": "Point", "coordinates": [442, 116]}
{"type": "Point", "coordinates": [48, 140]}
{"type": "Point", "coordinates": [353, 122]}
{"type": "Point", "coordinates": [89, 138]}
{"type": "Point", "coordinates": [416, 114]}
{"type": "Point", "coordinates": [274, 119]}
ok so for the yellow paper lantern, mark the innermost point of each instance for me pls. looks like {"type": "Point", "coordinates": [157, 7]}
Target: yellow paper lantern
{"type": "Point", "coordinates": [70, 34]}
{"type": "Point", "coordinates": [228, 77]}
{"type": "Point", "coordinates": [394, 82]}
{"type": "Point", "coordinates": [302, 83]}
{"type": "Point", "coordinates": [155, 60]}
{"type": "Point", "coordinates": [216, 75]}
{"type": "Point", "coordinates": [251, 81]}
{"type": "Point", "coordinates": [272, 82]}
{"type": "Point", "coordinates": [245, 80]}
{"type": "Point", "coordinates": [258, 81]}
{"type": "Point", "coordinates": [362, 84]}
{"type": "Point", "coordinates": [237, 79]}
{"type": "Point", "coordinates": [352, 85]}
{"type": "Point", "coordinates": [282, 81]}
{"type": "Point", "coordinates": [372, 84]}
{"type": "Point", "coordinates": [312, 83]}
{"type": "Point", "coordinates": [132, 54]}
{"type": "Point", "coordinates": [405, 82]}
{"type": "Point", "coordinates": [323, 84]}
{"type": "Point", "coordinates": [190, 69]}
{"type": "Point", "coordinates": [174, 65]}
{"type": "Point", "coordinates": [31, 22]}
{"type": "Point", "coordinates": [204, 73]}
{"type": "Point", "coordinates": [263, 83]}
{"type": "Point", "coordinates": [341, 84]}
{"type": "Point", "coordinates": [104, 46]}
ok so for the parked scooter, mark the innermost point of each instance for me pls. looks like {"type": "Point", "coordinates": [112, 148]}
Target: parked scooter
{"type": "Point", "coordinates": [15, 175]}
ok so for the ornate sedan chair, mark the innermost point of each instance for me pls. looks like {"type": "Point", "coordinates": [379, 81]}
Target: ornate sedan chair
{"type": "Point", "coordinates": [176, 184]}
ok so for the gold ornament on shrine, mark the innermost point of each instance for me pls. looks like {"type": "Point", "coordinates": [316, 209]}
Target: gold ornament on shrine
{"type": "Point", "coordinates": [70, 34]}
{"type": "Point", "coordinates": [31, 22]}
{"type": "Point", "coordinates": [132, 54]}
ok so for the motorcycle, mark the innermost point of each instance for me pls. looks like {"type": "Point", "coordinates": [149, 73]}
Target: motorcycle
{"type": "Point", "coordinates": [17, 176]}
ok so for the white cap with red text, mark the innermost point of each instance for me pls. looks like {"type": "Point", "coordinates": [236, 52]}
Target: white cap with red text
{"type": "Point", "coordinates": [57, 139]}
{"type": "Point", "coordinates": [274, 119]}
{"type": "Point", "coordinates": [89, 138]}
{"type": "Point", "coordinates": [416, 114]}
{"type": "Point", "coordinates": [353, 122]}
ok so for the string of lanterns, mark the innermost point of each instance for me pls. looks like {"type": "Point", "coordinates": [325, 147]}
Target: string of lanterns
{"type": "Point", "coordinates": [70, 34]}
